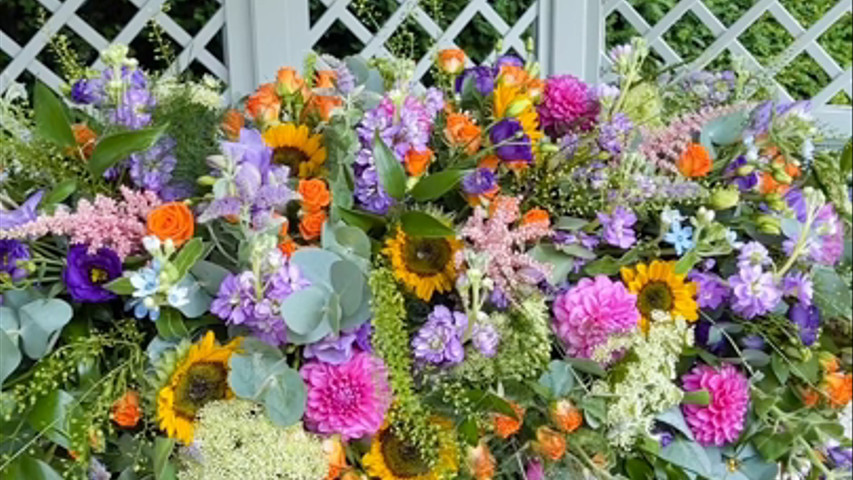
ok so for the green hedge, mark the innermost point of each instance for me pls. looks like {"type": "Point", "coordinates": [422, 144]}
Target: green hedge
{"type": "Point", "coordinates": [766, 39]}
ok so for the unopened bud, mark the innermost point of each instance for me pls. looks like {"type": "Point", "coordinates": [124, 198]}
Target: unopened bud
{"type": "Point", "coordinates": [724, 198]}
{"type": "Point", "coordinates": [745, 170]}
{"type": "Point", "coordinates": [206, 181]}
{"type": "Point", "coordinates": [517, 106]}
{"type": "Point", "coordinates": [769, 224]}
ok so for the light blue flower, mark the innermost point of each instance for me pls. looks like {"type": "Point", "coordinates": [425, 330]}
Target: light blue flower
{"type": "Point", "coordinates": [146, 280]}
{"type": "Point", "coordinates": [680, 237]}
{"type": "Point", "coordinates": [144, 307]}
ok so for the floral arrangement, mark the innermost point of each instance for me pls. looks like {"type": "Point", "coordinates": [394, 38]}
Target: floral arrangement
{"type": "Point", "coordinates": [349, 276]}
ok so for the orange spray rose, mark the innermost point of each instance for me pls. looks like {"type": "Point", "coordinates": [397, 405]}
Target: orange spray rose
{"type": "Point", "coordinates": [85, 139]}
{"type": "Point", "coordinates": [232, 123]}
{"type": "Point", "coordinates": [506, 426]}
{"type": "Point", "coordinates": [311, 224]}
{"type": "Point", "coordinates": [550, 443]}
{"type": "Point", "coordinates": [264, 105]}
{"type": "Point", "coordinates": [536, 215]}
{"type": "Point", "coordinates": [418, 162]}
{"type": "Point", "coordinates": [288, 81]}
{"type": "Point", "coordinates": [695, 161]}
{"type": "Point", "coordinates": [315, 194]}
{"type": "Point", "coordinates": [481, 462]}
{"type": "Point", "coordinates": [462, 132]}
{"type": "Point", "coordinates": [451, 61]}
{"type": "Point", "coordinates": [125, 411]}
{"type": "Point", "coordinates": [325, 79]}
{"type": "Point", "coordinates": [172, 220]}
{"type": "Point", "coordinates": [566, 416]}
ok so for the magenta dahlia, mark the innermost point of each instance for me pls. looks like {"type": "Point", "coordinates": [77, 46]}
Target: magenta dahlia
{"type": "Point", "coordinates": [722, 420]}
{"type": "Point", "coordinates": [566, 104]}
{"type": "Point", "coordinates": [350, 399]}
{"type": "Point", "coordinates": [586, 315]}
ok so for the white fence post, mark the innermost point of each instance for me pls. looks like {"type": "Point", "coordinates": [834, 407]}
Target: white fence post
{"type": "Point", "coordinates": [570, 37]}
{"type": "Point", "coordinates": [260, 37]}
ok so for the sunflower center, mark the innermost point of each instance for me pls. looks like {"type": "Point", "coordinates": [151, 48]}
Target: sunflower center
{"type": "Point", "coordinates": [290, 156]}
{"type": "Point", "coordinates": [402, 459]}
{"type": "Point", "coordinates": [655, 296]}
{"type": "Point", "coordinates": [426, 256]}
{"type": "Point", "coordinates": [98, 276]}
{"type": "Point", "coordinates": [202, 383]}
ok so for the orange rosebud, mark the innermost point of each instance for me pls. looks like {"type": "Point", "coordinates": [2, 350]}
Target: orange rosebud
{"type": "Point", "coordinates": [512, 75]}
{"type": "Point", "coordinates": [839, 388]}
{"type": "Point", "coordinates": [321, 106]}
{"type": "Point", "coordinates": [462, 132]}
{"type": "Point", "coordinates": [509, 205]}
{"type": "Point", "coordinates": [810, 397]}
{"type": "Point", "coordinates": [311, 225]}
{"type": "Point", "coordinates": [550, 444]}
{"type": "Point", "coordinates": [315, 194]}
{"type": "Point", "coordinates": [264, 105]}
{"type": "Point", "coordinates": [232, 123]}
{"type": "Point", "coordinates": [566, 416]}
{"type": "Point", "coordinates": [451, 61]}
{"type": "Point", "coordinates": [536, 215]}
{"type": "Point", "coordinates": [481, 462]}
{"type": "Point", "coordinates": [829, 363]}
{"type": "Point", "coordinates": [695, 161]}
{"type": "Point", "coordinates": [336, 456]}
{"type": "Point", "coordinates": [535, 88]}
{"type": "Point", "coordinates": [287, 246]}
{"type": "Point", "coordinates": [418, 162]}
{"type": "Point", "coordinates": [172, 220]}
{"type": "Point", "coordinates": [125, 411]}
{"type": "Point", "coordinates": [506, 426]}
{"type": "Point", "coordinates": [85, 138]}
{"type": "Point", "coordinates": [288, 81]}
{"type": "Point", "coordinates": [769, 183]}
{"type": "Point", "coordinates": [325, 79]}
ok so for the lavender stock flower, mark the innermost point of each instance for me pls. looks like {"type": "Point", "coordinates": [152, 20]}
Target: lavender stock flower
{"type": "Point", "coordinates": [713, 291]}
{"type": "Point", "coordinates": [754, 292]}
{"type": "Point", "coordinates": [486, 339]}
{"type": "Point", "coordinates": [618, 225]}
{"type": "Point", "coordinates": [439, 341]}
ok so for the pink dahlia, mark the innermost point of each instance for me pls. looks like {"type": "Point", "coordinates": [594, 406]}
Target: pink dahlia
{"type": "Point", "coordinates": [566, 103]}
{"type": "Point", "coordinates": [590, 312]}
{"type": "Point", "coordinates": [350, 399]}
{"type": "Point", "coordinates": [721, 421]}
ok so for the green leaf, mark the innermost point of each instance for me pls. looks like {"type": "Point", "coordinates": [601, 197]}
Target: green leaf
{"type": "Point", "coordinates": [118, 146]}
{"type": "Point", "coordinates": [30, 468]}
{"type": "Point", "coordinates": [420, 224]}
{"type": "Point", "coordinates": [846, 160]}
{"type": "Point", "coordinates": [570, 223]}
{"type": "Point", "coordinates": [638, 469]}
{"type": "Point", "coordinates": [52, 123]}
{"type": "Point", "coordinates": [48, 416]}
{"type": "Point", "coordinates": [358, 218]}
{"type": "Point", "coordinates": [559, 379]}
{"type": "Point", "coordinates": [780, 368]}
{"type": "Point", "coordinates": [605, 265]}
{"type": "Point", "coordinates": [587, 366]}
{"type": "Point", "coordinates": [170, 324]}
{"type": "Point", "coordinates": [59, 193]}
{"type": "Point", "coordinates": [163, 448]}
{"type": "Point", "coordinates": [390, 170]}
{"type": "Point", "coordinates": [675, 419]}
{"type": "Point", "coordinates": [10, 356]}
{"type": "Point", "coordinates": [348, 282]}
{"type": "Point", "coordinates": [831, 293]}
{"type": "Point", "coordinates": [209, 275]}
{"type": "Point", "coordinates": [468, 431]}
{"type": "Point", "coordinates": [687, 262]}
{"type": "Point", "coordinates": [561, 263]}
{"type": "Point", "coordinates": [120, 286]}
{"type": "Point", "coordinates": [773, 445]}
{"type": "Point", "coordinates": [697, 397]}
{"type": "Point", "coordinates": [41, 322]}
{"type": "Point", "coordinates": [594, 411]}
{"type": "Point", "coordinates": [303, 310]}
{"type": "Point", "coordinates": [688, 455]}
{"type": "Point", "coordinates": [435, 185]}
{"type": "Point", "coordinates": [577, 251]}
{"type": "Point", "coordinates": [808, 370]}
{"type": "Point", "coordinates": [489, 402]}
{"type": "Point", "coordinates": [190, 253]}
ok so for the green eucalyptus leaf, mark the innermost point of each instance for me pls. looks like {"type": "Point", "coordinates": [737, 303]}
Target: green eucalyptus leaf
{"type": "Point", "coordinates": [116, 147]}
{"type": "Point", "coordinates": [285, 398]}
{"type": "Point", "coordinates": [561, 262]}
{"type": "Point", "coordinates": [170, 324]}
{"type": "Point", "coordinates": [267, 378]}
{"type": "Point", "coordinates": [724, 130]}
{"type": "Point", "coordinates": [52, 122]}
{"type": "Point", "coordinates": [688, 455]}
{"type": "Point", "coordinates": [675, 419]}
{"type": "Point", "coordinates": [41, 322]}
{"type": "Point", "coordinates": [577, 251]}
{"type": "Point", "coordinates": [10, 356]}
{"type": "Point", "coordinates": [559, 379]}
{"type": "Point", "coordinates": [209, 275]}
{"type": "Point", "coordinates": [303, 310]}
{"type": "Point", "coordinates": [420, 224]}
{"type": "Point", "coordinates": [436, 185]}
{"type": "Point", "coordinates": [348, 282]}
{"type": "Point", "coordinates": [390, 170]}
{"type": "Point", "coordinates": [120, 286]}
{"type": "Point", "coordinates": [315, 264]}
{"type": "Point", "coordinates": [588, 366]}
{"type": "Point", "coordinates": [198, 299]}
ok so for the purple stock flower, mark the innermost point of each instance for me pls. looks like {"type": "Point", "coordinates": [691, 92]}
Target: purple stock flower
{"type": "Point", "coordinates": [499, 299]}
{"type": "Point", "coordinates": [825, 241]}
{"type": "Point", "coordinates": [439, 341]}
{"type": "Point", "coordinates": [618, 229]}
{"type": "Point", "coordinates": [134, 111]}
{"type": "Point", "coordinates": [333, 350]}
{"type": "Point", "coordinates": [152, 169]}
{"type": "Point", "coordinates": [612, 134]}
{"type": "Point", "coordinates": [753, 254]}
{"type": "Point", "coordinates": [87, 91]}
{"type": "Point", "coordinates": [807, 320]}
{"type": "Point", "coordinates": [483, 78]}
{"type": "Point", "coordinates": [755, 292]}
{"type": "Point", "coordinates": [486, 339]}
{"type": "Point", "coordinates": [26, 213]}
{"type": "Point", "coordinates": [86, 274]}
{"type": "Point", "coordinates": [713, 291]}
{"type": "Point", "coordinates": [798, 285]}
{"type": "Point", "coordinates": [514, 144]}
{"type": "Point", "coordinates": [478, 182]}
{"type": "Point", "coordinates": [11, 252]}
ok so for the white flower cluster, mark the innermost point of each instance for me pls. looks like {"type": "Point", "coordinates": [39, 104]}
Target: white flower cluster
{"type": "Point", "coordinates": [644, 383]}
{"type": "Point", "coordinates": [205, 93]}
{"type": "Point", "coordinates": [234, 439]}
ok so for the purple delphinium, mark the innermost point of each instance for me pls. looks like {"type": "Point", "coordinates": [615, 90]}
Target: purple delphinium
{"type": "Point", "coordinates": [713, 291]}
{"type": "Point", "coordinates": [478, 182]}
{"type": "Point", "coordinates": [745, 179]}
{"type": "Point", "coordinates": [618, 227]}
{"type": "Point", "coordinates": [753, 254]}
{"type": "Point", "coordinates": [333, 349]}
{"type": "Point", "coordinates": [439, 341]}
{"type": "Point", "coordinates": [11, 252]}
{"type": "Point", "coordinates": [86, 274]}
{"type": "Point", "coordinates": [612, 134]}
{"type": "Point", "coordinates": [26, 213]}
{"type": "Point", "coordinates": [483, 78]}
{"type": "Point", "coordinates": [152, 169]}
{"type": "Point", "coordinates": [754, 292]}
{"type": "Point", "coordinates": [798, 285]}
{"type": "Point", "coordinates": [807, 320]}
{"type": "Point", "coordinates": [486, 339]}
{"type": "Point", "coordinates": [514, 144]}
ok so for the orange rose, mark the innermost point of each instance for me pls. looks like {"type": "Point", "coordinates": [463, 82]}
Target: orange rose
{"type": "Point", "coordinates": [512, 75]}
{"type": "Point", "coordinates": [536, 215]}
{"type": "Point", "coordinates": [315, 195]}
{"type": "Point", "coordinates": [85, 138]}
{"type": "Point", "coordinates": [695, 161]}
{"type": "Point", "coordinates": [288, 81]}
{"type": "Point", "coordinates": [551, 444]}
{"type": "Point", "coordinates": [810, 397]}
{"type": "Point", "coordinates": [481, 462]}
{"type": "Point", "coordinates": [506, 426]}
{"type": "Point", "coordinates": [311, 225]}
{"type": "Point", "coordinates": [264, 105]}
{"type": "Point", "coordinates": [566, 416]}
{"type": "Point", "coordinates": [172, 220]}
{"type": "Point", "coordinates": [125, 411]}
{"type": "Point", "coordinates": [418, 162]}
{"type": "Point", "coordinates": [336, 456]}
{"type": "Point", "coordinates": [451, 61]}
{"type": "Point", "coordinates": [232, 123]}
{"type": "Point", "coordinates": [462, 132]}
{"type": "Point", "coordinates": [321, 106]}
{"type": "Point", "coordinates": [326, 79]}
{"type": "Point", "coordinates": [839, 388]}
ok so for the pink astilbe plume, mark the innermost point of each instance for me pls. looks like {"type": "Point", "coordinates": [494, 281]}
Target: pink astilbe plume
{"type": "Point", "coordinates": [104, 222]}
{"type": "Point", "coordinates": [493, 233]}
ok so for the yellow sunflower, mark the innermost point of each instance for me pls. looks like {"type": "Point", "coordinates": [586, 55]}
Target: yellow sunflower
{"type": "Point", "coordinates": [423, 264]}
{"type": "Point", "coordinates": [297, 148]}
{"type": "Point", "coordinates": [658, 287]}
{"type": "Point", "coordinates": [201, 377]}
{"type": "Point", "coordinates": [390, 458]}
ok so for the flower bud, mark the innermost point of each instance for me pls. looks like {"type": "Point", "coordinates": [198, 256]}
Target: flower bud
{"type": "Point", "coordinates": [517, 106]}
{"type": "Point", "coordinates": [217, 162]}
{"type": "Point", "coordinates": [724, 198]}
{"type": "Point", "coordinates": [451, 61]}
{"type": "Point", "coordinates": [550, 443]}
{"type": "Point", "coordinates": [775, 201]}
{"type": "Point", "coordinates": [782, 177]}
{"type": "Point", "coordinates": [481, 462]}
{"type": "Point", "coordinates": [566, 416]}
{"type": "Point", "coordinates": [288, 82]}
{"type": "Point", "coordinates": [206, 181]}
{"type": "Point", "coordinates": [769, 224]}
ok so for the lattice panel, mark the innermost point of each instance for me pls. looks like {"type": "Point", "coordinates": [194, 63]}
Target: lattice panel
{"type": "Point", "coordinates": [192, 48]}
{"type": "Point", "coordinates": [726, 38]}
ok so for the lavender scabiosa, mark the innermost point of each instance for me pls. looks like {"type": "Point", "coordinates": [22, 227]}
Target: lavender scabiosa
{"type": "Point", "coordinates": [618, 227]}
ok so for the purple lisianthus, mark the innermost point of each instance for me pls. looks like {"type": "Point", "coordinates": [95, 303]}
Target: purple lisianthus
{"type": "Point", "coordinates": [737, 172]}
{"type": "Point", "coordinates": [86, 273]}
{"type": "Point", "coordinates": [798, 285]}
{"type": "Point", "coordinates": [486, 339]}
{"type": "Point", "coordinates": [478, 182]}
{"type": "Point", "coordinates": [514, 144]}
{"type": "Point", "coordinates": [713, 291]}
{"type": "Point", "coordinates": [26, 213]}
{"type": "Point", "coordinates": [840, 457]}
{"type": "Point", "coordinates": [618, 227]}
{"type": "Point", "coordinates": [807, 320]}
{"type": "Point", "coordinates": [11, 252]}
{"type": "Point", "coordinates": [483, 78]}
{"type": "Point", "coordinates": [87, 91]}
{"type": "Point", "coordinates": [333, 349]}
{"type": "Point", "coordinates": [439, 341]}
{"type": "Point", "coordinates": [364, 337]}
{"type": "Point", "coordinates": [754, 292]}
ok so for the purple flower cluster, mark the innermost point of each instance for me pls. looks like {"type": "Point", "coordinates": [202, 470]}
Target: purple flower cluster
{"type": "Point", "coordinates": [244, 299]}
{"type": "Point", "coordinates": [484, 77]}
{"type": "Point", "coordinates": [22, 215]}
{"type": "Point", "coordinates": [762, 116]}
{"type": "Point", "coordinates": [613, 134]}
{"type": "Point", "coordinates": [11, 252]}
{"type": "Point", "coordinates": [807, 320]}
{"type": "Point", "coordinates": [713, 88]}
{"type": "Point", "coordinates": [825, 240]}
{"type": "Point", "coordinates": [339, 349]}
{"type": "Point", "coordinates": [713, 291]}
{"type": "Point", "coordinates": [618, 227]}
{"type": "Point", "coordinates": [754, 292]}
{"type": "Point", "coordinates": [741, 174]}
{"type": "Point", "coordinates": [440, 341]}
{"type": "Point", "coordinates": [130, 109]}
{"type": "Point", "coordinates": [403, 128]}
{"type": "Point", "coordinates": [798, 285]}
{"type": "Point", "coordinates": [152, 169]}
{"type": "Point", "coordinates": [478, 182]}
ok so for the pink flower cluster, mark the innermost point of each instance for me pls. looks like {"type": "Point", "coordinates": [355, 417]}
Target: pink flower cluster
{"type": "Point", "coordinates": [104, 222]}
{"type": "Point", "coordinates": [567, 103]}
{"type": "Point", "coordinates": [350, 399]}
{"type": "Point", "coordinates": [586, 315]}
{"type": "Point", "coordinates": [722, 421]}
{"type": "Point", "coordinates": [494, 234]}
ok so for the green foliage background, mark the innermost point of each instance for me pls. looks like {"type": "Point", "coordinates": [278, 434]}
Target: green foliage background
{"type": "Point", "coordinates": [766, 39]}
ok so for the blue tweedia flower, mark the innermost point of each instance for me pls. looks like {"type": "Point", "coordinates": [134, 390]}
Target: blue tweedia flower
{"type": "Point", "coordinates": [680, 237]}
